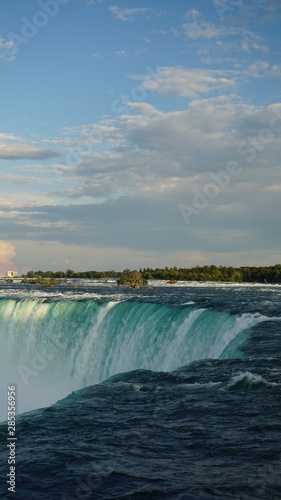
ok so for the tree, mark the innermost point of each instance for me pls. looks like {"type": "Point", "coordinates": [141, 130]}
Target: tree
{"type": "Point", "coordinates": [69, 273]}
{"type": "Point", "coordinates": [132, 278]}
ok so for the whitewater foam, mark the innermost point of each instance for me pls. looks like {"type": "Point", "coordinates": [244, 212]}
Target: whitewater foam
{"type": "Point", "coordinates": [50, 348]}
{"type": "Point", "coordinates": [247, 380]}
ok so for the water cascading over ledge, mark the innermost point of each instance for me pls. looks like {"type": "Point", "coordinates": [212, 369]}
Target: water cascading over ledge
{"type": "Point", "coordinates": [52, 348]}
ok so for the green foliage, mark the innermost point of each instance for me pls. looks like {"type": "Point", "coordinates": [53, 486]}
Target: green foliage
{"type": "Point", "coordinates": [230, 274]}
{"type": "Point", "coordinates": [70, 274]}
{"type": "Point", "coordinates": [46, 282]}
{"type": "Point", "coordinates": [132, 278]}
{"type": "Point", "coordinates": [245, 274]}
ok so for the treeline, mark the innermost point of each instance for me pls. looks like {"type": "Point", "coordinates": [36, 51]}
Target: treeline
{"type": "Point", "coordinates": [271, 274]}
{"type": "Point", "coordinates": [69, 273]}
{"type": "Point", "coordinates": [246, 274]}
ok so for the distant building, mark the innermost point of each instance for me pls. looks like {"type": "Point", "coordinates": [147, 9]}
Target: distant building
{"type": "Point", "coordinates": [11, 274]}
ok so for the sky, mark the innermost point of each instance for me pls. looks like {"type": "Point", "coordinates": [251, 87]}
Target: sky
{"type": "Point", "coordinates": [139, 134]}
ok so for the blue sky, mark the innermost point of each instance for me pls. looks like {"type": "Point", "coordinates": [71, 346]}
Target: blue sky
{"type": "Point", "coordinates": [139, 133]}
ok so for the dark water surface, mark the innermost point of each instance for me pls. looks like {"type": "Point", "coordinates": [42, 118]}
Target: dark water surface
{"type": "Point", "coordinates": [167, 393]}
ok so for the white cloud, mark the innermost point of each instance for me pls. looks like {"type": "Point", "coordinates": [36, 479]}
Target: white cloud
{"type": "Point", "coordinates": [249, 44]}
{"type": "Point", "coordinates": [92, 2]}
{"type": "Point", "coordinates": [161, 152]}
{"type": "Point", "coordinates": [121, 53]}
{"type": "Point", "coordinates": [276, 70]}
{"type": "Point", "coordinates": [18, 179]}
{"type": "Point", "coordinates": [187, 82]}
{"type": "Point", "coordinates": [202, 29]}
{"type": "Point", "coordinates": [126, 187]}
{"type": "Point", "coordinates": [192, 14]}
{"type": "Point", "coordinates": [275, 187]}
{"type": "Point", "coordinates": [97, 55]}
{"type": "Point", "coordinates": [24, 152]}
{"type": "Point", "coordinates": [14, 148]}
{"type": "Point", "coordinates": [148, 151]}
{"type": "Point", "coordinates": [260, 47]}
{"type": "Point", "coordinates": [7, 49]}
{"type": "Point", "coordinates": [258, 68]}
{"type": "Point", "coordinates": [198, 29]}
{"type": "Point", "coordinates": [127, 14]}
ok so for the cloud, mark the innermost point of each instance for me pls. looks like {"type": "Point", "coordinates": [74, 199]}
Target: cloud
{"type": "Point", "coordinates": [15, 148]}
{"type": "Point", "coordinates": [7, 254]}
{"type": "Point", "coordinates": [128, 14]}
{"type": "Point", "coordinates": [99, 257]}
{"type": "Point", "coordinates": [7, 49]}
{"type": "Point", "coordinates": [249, 44]}
{"type": "Point", "coordinates": [258, 68]}
{"type": "Point", "coordinates": [124, 188]}
{"type": "Point", "coordinates": [192, 14]}
{"type": "Point", "coordinates": [23, 152]}
{"type": "Point", "coordinates": [148, 151]}
{"type": "Point", "coordinates": [82, 258]}
{"type": "Point", "coordinates": [18, 179]}
{"type": "Point", "coordinates": [97, 55]}
{"type": "Point", "coordinates": [276, 70]}
{"type": "Point", "coordinates": [187, 82]}
{"type": "Point", "coordinates": [121, 53]}
{"type": "Point", "coordinates": [195, 28]}
{"type": "Point", "coordinates": [198, 29]}
{"type": "Point", "coordinates": [267, 11]}
{"type": "Point", "coordinates": [92, 2]}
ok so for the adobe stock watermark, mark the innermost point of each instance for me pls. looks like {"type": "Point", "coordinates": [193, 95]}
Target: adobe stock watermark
{"type": "Point", "coordinates": [153, 412]}
{"type": "Point", "coordinates": [88, 141]}
{"type": "Point", "coordinates": [85, 488]}
{"type": "Point", "coordinates": [265, 478]}
{"type": "Point", "coordinates": [223, 7]}
{"type": "Point", "coordinates": [250, 149]}
{"type": "Point", "coordinates": [39, 364]}
{"type": "Point", "coordinates": [138, 93]}
{"type": "Point", "coordinates": [40, 19]}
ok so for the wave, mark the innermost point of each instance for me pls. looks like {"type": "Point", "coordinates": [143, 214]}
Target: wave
{"type": "Point", "coordinates": [249, 380]}
{"type": "Point", "coordinates": [51, 348]}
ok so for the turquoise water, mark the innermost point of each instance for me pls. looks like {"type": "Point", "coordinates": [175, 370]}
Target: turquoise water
{"type": "Point", "coordinates": [167, 393]}
{"type": "Point", "coordinates": [69, 344]}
